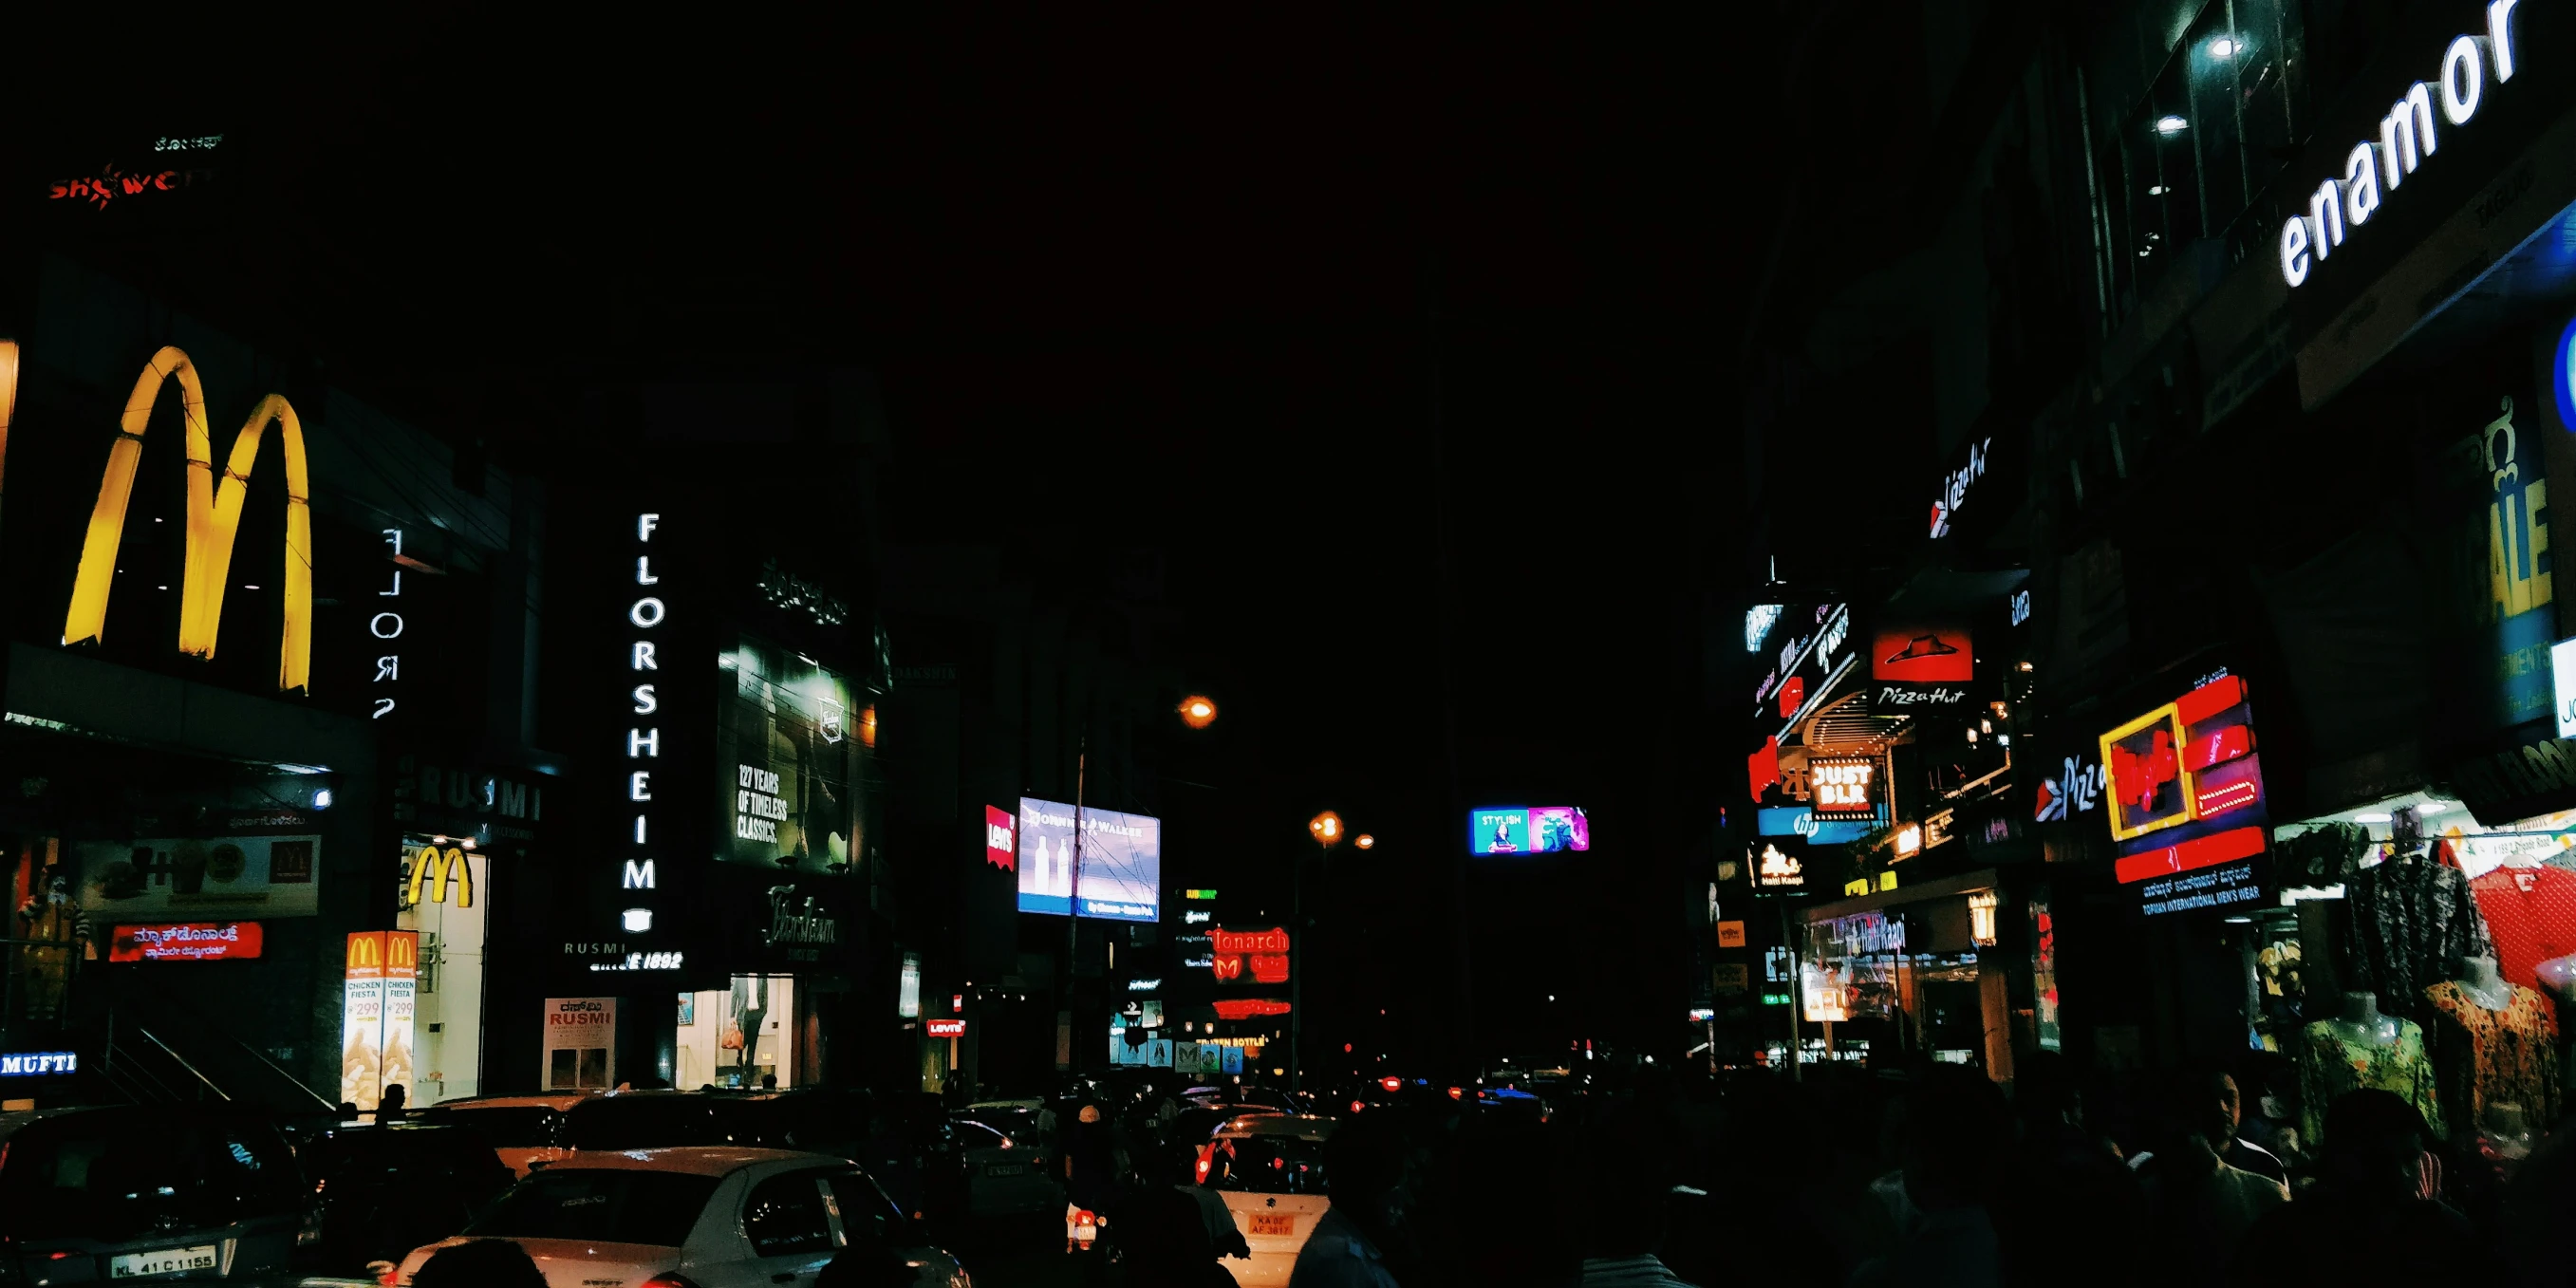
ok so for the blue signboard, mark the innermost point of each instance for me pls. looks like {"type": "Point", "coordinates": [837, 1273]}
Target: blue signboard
{"type": "Point", "coordinates": [1799, 821]}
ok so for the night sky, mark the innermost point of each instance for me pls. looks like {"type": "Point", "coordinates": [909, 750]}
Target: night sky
{"type": "Point", "coordinates": [1408, 344]}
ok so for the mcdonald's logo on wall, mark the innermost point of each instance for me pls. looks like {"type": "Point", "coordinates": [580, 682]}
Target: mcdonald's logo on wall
{"type": "Point", "coordinates": [214, 512]}
{"type": "Point", "coordinates": [436, 872]}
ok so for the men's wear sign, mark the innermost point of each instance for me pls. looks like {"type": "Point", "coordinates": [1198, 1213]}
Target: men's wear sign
{"type": "Point", "coordinates": [2186, 801]}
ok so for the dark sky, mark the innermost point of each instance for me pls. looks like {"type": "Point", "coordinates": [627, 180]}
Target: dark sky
{"type": "Point", "coordinates": [1263, 291]}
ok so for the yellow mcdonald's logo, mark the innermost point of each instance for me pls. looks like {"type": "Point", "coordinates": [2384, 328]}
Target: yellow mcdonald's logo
{"type": "Point", "coordinates": [402, 950]}
{"type": "Point", "coordinates": [214, 518]}
{"type": "Point", "coordinates": [438, 867]}
{"type": "Point", "coordinates": [367, 950]}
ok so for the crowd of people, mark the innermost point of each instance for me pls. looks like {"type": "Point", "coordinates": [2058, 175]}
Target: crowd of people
{"type": "Point", "coordinates": [1937, 1178]}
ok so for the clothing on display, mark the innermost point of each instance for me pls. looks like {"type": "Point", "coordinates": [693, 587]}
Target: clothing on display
{"type": "Point", "coordinates": [2485, 1057]}
{"type": "Point", "coordinates": [2413, 922]}
{"type": "Point", "coordinates": [2330, 1065]}
{"type": "Point", "coordinates": [2531, 913]}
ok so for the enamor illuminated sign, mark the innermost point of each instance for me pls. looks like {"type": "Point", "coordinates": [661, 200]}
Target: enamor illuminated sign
{"type": "Point", "coordinates": [2407, 135]}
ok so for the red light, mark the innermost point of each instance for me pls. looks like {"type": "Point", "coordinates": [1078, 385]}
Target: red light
{"type": "Point", "coordinates": [1346, 1048]}
{"type": "Point", "coordinates": [1457, 1093]}
{"type": "Point", "coordinates": [1391, 1084]}
{"type": "Point", "coordinates": [1357, 1106]}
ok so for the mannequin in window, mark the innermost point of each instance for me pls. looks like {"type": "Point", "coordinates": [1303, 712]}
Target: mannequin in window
{"type": "Point", "coordinates": [2361, 1023]}
{"type": "Point", "coordinates": [2362, 1048]}
{"type": "Point", "coordinates": [2492, 1044]}
{"type": "Point", "coordinates": [2484, 984]}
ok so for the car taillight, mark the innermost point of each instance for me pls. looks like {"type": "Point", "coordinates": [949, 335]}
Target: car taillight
{"type": "Point", "coordinates": [670, 1279]}
{"type": "Point", "coordinates": [1204, 1165]}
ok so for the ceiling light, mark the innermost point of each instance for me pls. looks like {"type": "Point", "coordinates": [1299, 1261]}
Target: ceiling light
{"type": "Point", "coordinates": [2224, 47]}
{"type": "Point", "coordinates": [2156, 190]}
{"type": "Point", "coordinates": [2171, 124]}
{"type": "Point", "coordinates": [2432, 807]}
{"type": "Point", "coordinates": [2373, 817]}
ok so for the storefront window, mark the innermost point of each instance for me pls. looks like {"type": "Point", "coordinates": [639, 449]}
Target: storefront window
{"type": "Point", "coordinates": [740, 1036]}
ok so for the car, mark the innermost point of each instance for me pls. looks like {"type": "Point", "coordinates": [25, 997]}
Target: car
{"type": "Point", "coordinates": [1029, 1118]}
{"type": "Point", "coordinates": [1269, 1168]}
{"type": "Point", "coordinates": [386, 1189]}
{"type": "Point", "coordinates": [704, 1215]}
{"type": "Point", "coordinates": [524, 1130]}
{"type": "Point", "coordinates": [1005, 1175]}
{"type": "Point", "coordinates": [131, 1192]}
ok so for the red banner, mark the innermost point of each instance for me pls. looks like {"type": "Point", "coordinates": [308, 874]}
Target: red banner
{"type": "Point", "coordinates": [194, 941]}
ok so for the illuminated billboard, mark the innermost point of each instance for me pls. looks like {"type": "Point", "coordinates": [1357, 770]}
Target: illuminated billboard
{"type": "Point", "coordinates": [1528, 829]}
{"type": "Point", "coordinates": [787, 755]}
{"type": "Point", "coordinates": [1117, 872]}
{"type": "Point", "coordinates": [2185, 790]}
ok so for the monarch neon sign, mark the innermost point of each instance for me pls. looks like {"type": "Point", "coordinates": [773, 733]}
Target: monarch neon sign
{"type": "Point", "coordinates": [213, 519]}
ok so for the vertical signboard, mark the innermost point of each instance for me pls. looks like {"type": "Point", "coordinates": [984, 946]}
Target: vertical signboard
{"type": "Point", "coordinates": [1001, 838]}
{"type": "Point", "coordinates": [2186, 801]}
{"type": "Point", "coordinates": [579, 1044]}
{"type": "Point", "coordinates": [362, 1019]}
{"type": "Point", "coordinates": [379, 984]}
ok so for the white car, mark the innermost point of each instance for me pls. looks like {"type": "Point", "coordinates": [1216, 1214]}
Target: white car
{"type": "Point", "coordinates": [1004, 1174]}
{"type": "Point", "coordinates": [697, 1217]}
{"type": "Point", "coordinates": [1269, 1168]}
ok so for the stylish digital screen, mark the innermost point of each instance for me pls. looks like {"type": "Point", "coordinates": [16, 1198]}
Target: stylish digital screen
{"type": "Point", "coordinates": [1116, 873]}
{"type": "Point", "coordinates": [1528, 829]}
{"type": "Point", "coordinates": [787, 750]}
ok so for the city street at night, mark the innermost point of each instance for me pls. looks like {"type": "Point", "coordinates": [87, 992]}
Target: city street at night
{"type": "Point", "coordinates": [1893, 645]}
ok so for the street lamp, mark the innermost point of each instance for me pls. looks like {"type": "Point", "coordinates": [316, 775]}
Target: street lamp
{"type": "Point", "coordinates": [1326, 828]}
{"type": "Point", "coordinates": [1197, 712]}
{"type": "Point", "coordinates": [1364, 841]}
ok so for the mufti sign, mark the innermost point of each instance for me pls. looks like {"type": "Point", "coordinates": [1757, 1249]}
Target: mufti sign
{"type": "Point", "coordinates": [2408, 136]}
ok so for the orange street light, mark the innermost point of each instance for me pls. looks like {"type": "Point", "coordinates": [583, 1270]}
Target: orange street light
{"type": "Point", "coordinates": [1364, 840]}
{"type": "Point", "coordinates": [1327, 828]}
{"type": "Point", "coordinates": [1197, 712]}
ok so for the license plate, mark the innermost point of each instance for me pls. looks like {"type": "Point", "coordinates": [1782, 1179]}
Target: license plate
{"type": "Point", "coordinates": [1278, 1223]}
{"type": "Point", "coordinates": [167, 1261]}
{"type": "Point", "coordinates": [1007, 1169]}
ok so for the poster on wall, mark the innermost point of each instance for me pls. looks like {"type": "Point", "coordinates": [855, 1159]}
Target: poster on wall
{"type": "Point", "coordinates": [579, 1043]}
{"type": "Point", "coordinates": [216, 878]}
{"type": "Point", "coordinates": [1117, 871]}
{"type": "Point", "coordinates": [787, 753]}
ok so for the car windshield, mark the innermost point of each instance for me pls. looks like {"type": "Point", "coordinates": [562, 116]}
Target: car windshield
{"type": "Point", "coordinates": [122, 1175]}
{"type": "Point", "coordinates": [1275, 1165]}
{"type": "Point", "coordinates": [975, 1135]}
{"type": "Point", "coordinates": [458, 1151]}
{"type": "Point", "coordinates": [622, 1205]}
{"type": "Point", "coordinates": [506, 1126]}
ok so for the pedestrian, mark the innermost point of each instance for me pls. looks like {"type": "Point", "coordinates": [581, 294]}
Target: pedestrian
{"type": "Point", "coordinates": [1950, 1130]}
{"type": "Point", "coordinates": [2369, 1218]}
{"type": "Point", "coordinates": [1164, 1235]}
{"type": "Point", "coordinates": [1213, 1213]}
{"type": "Point", "coordinates": [389, 1106]}
{"type": "Point", "coordinates": [480, 1263]}
{"type": "Point", "coordinates": [2199, 1206]}
{"type": "Point", "coordinates": [1092, 1170]}
{"type": "Point", "coordinates": [1363, 1175]}
{"type": "Point", "coordinates": [1627, 1186]}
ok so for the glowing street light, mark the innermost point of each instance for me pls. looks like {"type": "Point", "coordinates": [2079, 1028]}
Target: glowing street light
{"type": "Point", "coordinates": [1364, 840]}
{"type": "Point", "coordinates": [1197, 712]}
{"type": "Point", "coordinates": [1327, 828]}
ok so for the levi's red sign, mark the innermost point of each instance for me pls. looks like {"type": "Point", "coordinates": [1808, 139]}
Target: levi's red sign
{"type": "Point", "coordinates": [195, 941]}
{"type": "Point", "coordinates": [945, 1028]}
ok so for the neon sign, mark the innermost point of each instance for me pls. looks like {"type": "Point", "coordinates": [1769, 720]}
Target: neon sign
{"type": "Point", "coordinates": [2184, 787]}
{"type": "Point", "coordinates": [1842, 787]}
{"type": "Point", "coordinates": [2407, 136]}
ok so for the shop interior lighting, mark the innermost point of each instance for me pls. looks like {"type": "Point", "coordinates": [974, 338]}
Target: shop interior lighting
{"type": "Point", "coordinates": [1981, 917]}
{"type": "Point", "coordinates": [2170, 124]}
{"type": "Point", "coordinates": [2225, 47]}
{"type": "Point", "coordinates": [2156, 190]}
{"type": "Point", "coordinates": [2375, 816]}
{"type": "Point", "coordinates": [2432, 807]}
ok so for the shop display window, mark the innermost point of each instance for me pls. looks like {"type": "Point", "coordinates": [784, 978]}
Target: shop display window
{"type": "Point", "coordinates": [739, 1036]}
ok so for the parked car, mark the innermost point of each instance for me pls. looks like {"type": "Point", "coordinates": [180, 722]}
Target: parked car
{"type": "Point", "coordinates": [136, 1192]}
{"type": "Point", "coordinates": [524, 1130]}
{"type": "Point", "coordinates": [715, 1217]}
{"type": "Point", "coordinates": [1006, 1175]}
{"type": "Point", "coordinates": [1269, 1168]}
{"type": "Point", "coordinates": [384, 1190]}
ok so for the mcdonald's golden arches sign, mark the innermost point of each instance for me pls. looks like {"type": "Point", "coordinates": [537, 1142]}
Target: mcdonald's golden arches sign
{"type": "Point", "coordinates": [438, 872]}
